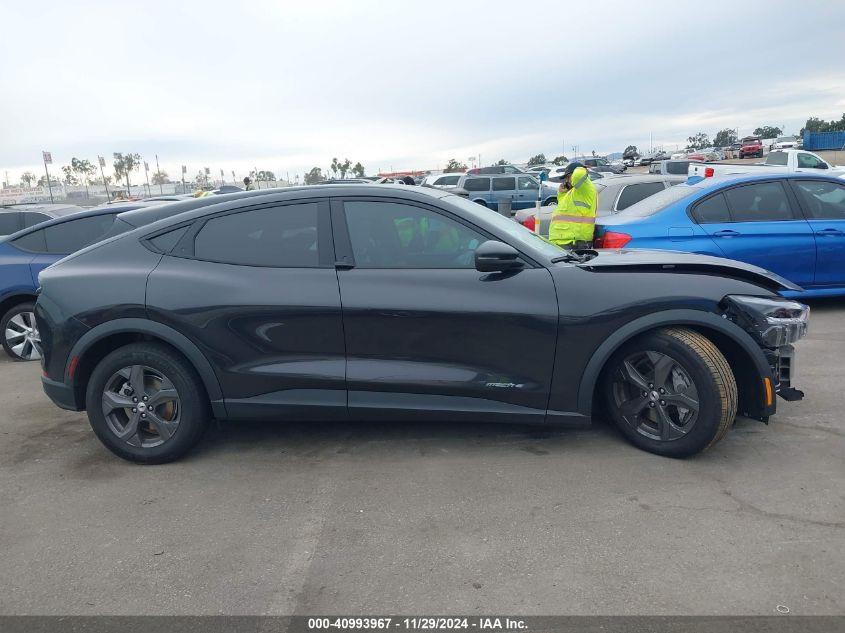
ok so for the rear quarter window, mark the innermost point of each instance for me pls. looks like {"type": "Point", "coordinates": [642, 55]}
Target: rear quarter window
{"type": "Point", "coordinates": [477, 184]}
{"type": "Point", "coordinates": [659, 201]}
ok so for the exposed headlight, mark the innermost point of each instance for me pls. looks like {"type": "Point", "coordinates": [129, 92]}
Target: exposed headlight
{"type": "Point", "coordinates": [776, 321]}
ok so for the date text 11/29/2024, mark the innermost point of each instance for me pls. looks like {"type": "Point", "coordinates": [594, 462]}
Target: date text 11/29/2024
{"type": "Point", "coordinates": [418, 623]}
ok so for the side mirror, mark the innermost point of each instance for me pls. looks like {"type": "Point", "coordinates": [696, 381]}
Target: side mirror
{"type": "Point", "coordinates": [497, 257]}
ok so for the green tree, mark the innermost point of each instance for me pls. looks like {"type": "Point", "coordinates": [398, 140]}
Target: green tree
{"type": "Point", "coordinates": [344, 167]}
{"type": "Point", "coordinates": [358, 170]}
{"type": "Point", "coordinates": [84, 170]}
{"type": "Point", "coordinates": [698, 141]}
{"type": "Point", "coordinates": [314, 176]}
{"type": "Point", "coordinates": [725, 138]}
{"type": "Point", "coordinates": [768, 131]}
{"type": "Point", "coordinates": [27, 178]}
{"type": "Point", "coordinates": [539, 159]}
{"type": "Point", "coordinates": [334, 167]}
{"type": "Point", "coordinates": [815, 124]}
{"type": "Point", "coordinates": [266, 176]}
{"type": "Point", "coordinates": [70, 177]}
{"type": "Point", "coordinates": [160, 178]}
{"type": "Point", "coordinates": [560, 160]}
{"type": "Point", "coordinates": [42, 182]}
{"type": "Point", "coordinates": [125, 164]}
{"type": "Point", "coordinates": [454, 165]}
{"type": "Point", "coordinates": [502, 161]}
{"type": "Point", "coordinates": [630, 151]}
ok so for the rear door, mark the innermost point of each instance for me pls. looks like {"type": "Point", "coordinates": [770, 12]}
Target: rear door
{"type": "Point", "coordinates": [823, 202]}
{"type": "Point", "coordinates": [256, 290]}
{"type": "Point", "coordinates": [503, 189]}
{"type": "Point", "coordinates": [427, 335]}
{"type": "Point", "coordinates": [527, 192]}
{"type": "Point", "coordinates": [760, 223]}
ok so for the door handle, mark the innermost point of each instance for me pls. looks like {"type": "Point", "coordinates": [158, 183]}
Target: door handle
{"type": "Point", "coordinates": [726, 233]}
{"type": "Point", "coordinates": [831, 232]}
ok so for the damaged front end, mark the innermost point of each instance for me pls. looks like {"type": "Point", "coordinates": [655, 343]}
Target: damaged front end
{"type": "Point", "coordinates": [775, 324]}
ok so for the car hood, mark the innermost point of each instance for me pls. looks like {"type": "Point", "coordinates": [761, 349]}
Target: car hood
{"type": "Point", "coordinates": [642, 260]}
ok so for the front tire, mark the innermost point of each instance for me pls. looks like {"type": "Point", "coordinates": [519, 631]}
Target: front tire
{"type": "Point", "coordinates": [147, 404]}
{"type": "Point", "coordinates": [671, 392]}
{"type": "Point", "coordinates": [20, 333]}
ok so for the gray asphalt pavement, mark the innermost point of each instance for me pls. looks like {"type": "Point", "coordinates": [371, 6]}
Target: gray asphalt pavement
{"type": "Point", "coordinates": [407, 518]}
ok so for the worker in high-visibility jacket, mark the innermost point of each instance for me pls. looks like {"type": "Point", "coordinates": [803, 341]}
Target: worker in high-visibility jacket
{"type": "Point", "coordinates": [574, 218]}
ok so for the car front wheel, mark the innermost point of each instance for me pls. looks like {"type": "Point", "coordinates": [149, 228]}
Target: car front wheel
{"type": "Point", "coordinates": [146, 404]}
{"type": "Point", "coordinates": [671, 392]}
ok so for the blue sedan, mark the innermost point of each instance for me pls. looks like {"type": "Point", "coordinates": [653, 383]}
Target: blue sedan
{"type": "Point", "coordinates": [791, 224]}
{"type": "Point", "coordinates": [26, 253]}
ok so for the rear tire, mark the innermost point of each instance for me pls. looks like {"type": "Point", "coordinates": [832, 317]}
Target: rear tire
{"type": "Point", "coordinates": [146, 404]}
{"type": "Point", "coordinates": [671, 392]}
{"type": "Point", "coordinates": [20, 332]}
{"type": "Point", "coordinates": [482, 203]}
{"type": "Point", "coordinates": [549, 202]}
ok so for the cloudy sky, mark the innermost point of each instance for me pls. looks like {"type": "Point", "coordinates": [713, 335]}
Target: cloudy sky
{"type": "Point", "coordinates": [285, 86]}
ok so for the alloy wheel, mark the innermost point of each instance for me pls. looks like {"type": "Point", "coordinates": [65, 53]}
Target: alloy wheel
{"type": "Point", "coordinates": [655, 395]}
{"type": "Point", "coordinates": [141, 406]}
{"type": "Point", "coordinates": [22, 336]}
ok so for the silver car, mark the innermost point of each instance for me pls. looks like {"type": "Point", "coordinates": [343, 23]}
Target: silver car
{"type": "Point", "coordinates": [616, 192]}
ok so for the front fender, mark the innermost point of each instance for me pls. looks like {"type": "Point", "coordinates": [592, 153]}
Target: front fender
{"type": "Point", "coordinates": [693, 318]}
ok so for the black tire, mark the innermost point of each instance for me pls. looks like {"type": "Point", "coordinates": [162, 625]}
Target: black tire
{"type": "Point", "coordinates": [23, 311]}
{"type": "Point", "coordinates": [482, 203]}
{"type": "Point", "coordinates": [698, 375]}
{"type": "Point", "coordinates": [549, 202]}
{"type": "Point", "coordinates": [189, 411]}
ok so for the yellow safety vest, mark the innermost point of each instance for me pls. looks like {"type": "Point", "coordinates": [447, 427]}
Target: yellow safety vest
{"type": "Point", "coordinates": [575, 216]}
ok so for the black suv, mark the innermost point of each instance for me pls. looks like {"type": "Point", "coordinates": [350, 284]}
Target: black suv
{"type": "Point", "coordinates": [385, 302]}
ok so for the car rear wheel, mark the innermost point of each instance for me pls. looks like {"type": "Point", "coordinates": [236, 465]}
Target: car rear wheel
{"type": "Point", "coordinates": [146, 404]}
{"type": "Point", "coordinates": [20, 333]}
{"type": "Point", "coordinates": [671, 392]}
{"type": "Point", "coordinates": [549, 202]}
{"type": "Point", "coordinates": [481, 202]}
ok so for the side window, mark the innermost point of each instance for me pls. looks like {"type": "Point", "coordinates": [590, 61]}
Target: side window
{"type": "Point", "coordinates": [73, 235]}
{"type": "Point", "coordinates": [31, 218]}
{"type": "Point", "coordinates": [809, 161]}
{"type": "Point", "coordinates": [678, 168]}
{"type": "Point", "coordinates": [9, 222]}
{"type": "Point", "coordinates": [760, 202]}
{"type": "Point", "coordinates": [396, 235]}
{"type": "Point", "coordinates": [477, 184]}
{"type": "Point", "coordinates": [777, 158]}
{"type": "Point", "coordinates": [634, 193]}
{"type": "Point", "coordinates": [33, 242]}
{"type": "Point", "coordinates": [510, 169]}
{"type": "Point", "coordinates": [824, 200]}
{"type": "Point", "coordinates": [447, 180]}
{"type": "Point", "coordinates": [713, 210]}
{"type": "Point", "coordinates": [283, 237]}
{"type": "Point", "coordinates": [524, 182]}
{"type": "Point", "coordinates": [504, 184]}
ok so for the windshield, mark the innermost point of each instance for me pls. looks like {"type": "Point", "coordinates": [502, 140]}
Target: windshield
{"type": "Point", "coordinates": [528, 238]}
{"type": "Point", "coordinates": [658, 201]}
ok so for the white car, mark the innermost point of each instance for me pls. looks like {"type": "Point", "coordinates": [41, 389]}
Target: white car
{"type": "Point", "coordinates": [786, 142]}
{"type": "Point", "coordinates": [787, 160]}
{"type": "Point", "coordinates": [442, 181]}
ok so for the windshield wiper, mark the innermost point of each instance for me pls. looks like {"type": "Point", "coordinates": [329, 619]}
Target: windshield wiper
{"type": "Point", "coordinates": [575, 256]}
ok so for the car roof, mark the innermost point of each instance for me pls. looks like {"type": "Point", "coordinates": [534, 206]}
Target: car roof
{"type": "Point", "coordinates": [143, 217]}
{"type": "Point", "coordinates": [717, 182]}
{"type": "Point", "coordinates": [84, 213]}
{"type": "Point", "coordinates": [55, 210]}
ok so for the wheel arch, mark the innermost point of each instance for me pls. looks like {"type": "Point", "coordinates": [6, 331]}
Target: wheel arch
{"type": "Point", "coordinates": [741, 351]}
{"type": "Point", "coordinates": [10, 301]}
{"type": "Point", "coordinates": [102, 339]}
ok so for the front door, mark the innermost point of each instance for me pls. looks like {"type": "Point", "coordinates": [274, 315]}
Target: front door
{"type": "Point", "coordinates": [759, 224]}
{"type": "Point", "coordinates": [429, 336]}
{"type": "Point", "coordinates": [824, 206]}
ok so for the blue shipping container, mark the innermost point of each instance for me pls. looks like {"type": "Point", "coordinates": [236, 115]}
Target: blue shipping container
{"type": "Point", "coordinates": [824, 140]}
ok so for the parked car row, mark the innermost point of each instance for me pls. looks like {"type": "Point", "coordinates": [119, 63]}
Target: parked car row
{"type": "Point", "coordinates": [790, 223]}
